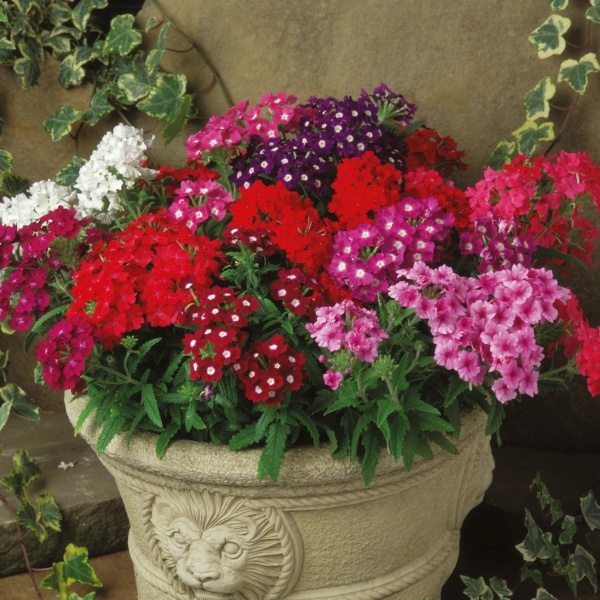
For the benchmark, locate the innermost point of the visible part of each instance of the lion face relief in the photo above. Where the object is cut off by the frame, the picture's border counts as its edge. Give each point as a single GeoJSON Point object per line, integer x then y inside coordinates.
{"type": "Point", "coordinates": [213, 547]}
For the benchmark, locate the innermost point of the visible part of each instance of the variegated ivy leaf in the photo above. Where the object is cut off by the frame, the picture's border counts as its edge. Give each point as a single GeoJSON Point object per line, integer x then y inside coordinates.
{"type": "Point", "coordinates": [165, 97]}
{"type": "Point", "coordinates": [151, 23]}
{"type": "Point", "coordinates": [3, 17]}
{"type": "Point", "coordinates": [6, 47]}
{"type": "Point", "coordinates": [536, 100]}
{"type": "Point", "coordinates": [585, 566]}
{"type": "Point", "coordinates": [155, 55]}
{"type": "Point", "coordinates": [543, 594]}
{"type": "Point", "coordinates": [590, 511]}
{"type": "Point", "coordinates": [502, 154]}
{"type": "Point", "coordinates": [559, 4]}
{"type": "Point", "coordinates": [531, 134]}
{"type": "Point", "coordinates": [23, 5]}
{"type": "Point", "coordinates": [59, 45]}
{"type": "Point", "coordinates": [12, 185]}
{"type": "Point", "coordinates": [5, 161]}
{"type": "Point", "coordinates": [28, 71]}
{"type": "Point", "coordinates": [74, 568]}
{"type": "Point", "coordinates": [575, 73]}
{"type": "Point", "coordinates": [548, 37]}
{"type": "Point", "coordinates": [122, 37]}
{"type": "Point", "coordinates": [132, 87]}
{"type": "Point", "coordinates": [31, 48]}
{"type": "Point", "coordinates": [68, 175]}
{"type": "Point", "coordinates": [59, 13]}
{"type": "Point", "coordinates": [175, 126]}
{"type": "Point", "coordinates": [593, 13]}
{"type": "Point", "coordinates": [99, 107]}
{"type": "Point", "coordinates": [83, 10]}
{"type": "Point", "coordinates": [21, 404]}
{"type": "Point", "coordinates": [59, 124]}
{"type": "Point", "coordinates": [70, 73]}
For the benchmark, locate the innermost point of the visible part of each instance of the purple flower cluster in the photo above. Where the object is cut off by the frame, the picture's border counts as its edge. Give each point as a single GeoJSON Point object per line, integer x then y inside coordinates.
{"type": "Point", "coordinates": [333, 130]}
{"type": "Point", "coordinates": [345, 326]}
{"type": "Point", "coordinates": [365, 259]}
{"type": "Point", "coordinates": [496, 242]}
{"type": "Point", "coordinates": [484, 324]}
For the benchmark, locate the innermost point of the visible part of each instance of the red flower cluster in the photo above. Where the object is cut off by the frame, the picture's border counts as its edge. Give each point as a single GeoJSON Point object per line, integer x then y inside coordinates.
{"type": "Point", "coordinates": [170, 179]}
{"type": "Point", "coordinates": [220, 315]}
{"type": "Point", "coordinates": [146, 274]}
{"type": "Point", "coordinates": [362, 186]}
{"type": "Point", "coordinates": [427, 148]}
{"type": "Point", "coordinates": [269, 369]}
{"type": "Point", "coordinates": [588, 357]}
{"type": "Point", "coordinates": [273, 218]}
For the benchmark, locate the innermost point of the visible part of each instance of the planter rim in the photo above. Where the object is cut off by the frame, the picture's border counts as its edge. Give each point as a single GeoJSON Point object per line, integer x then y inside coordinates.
{"type": "Point", "coordinates": [307, 466]}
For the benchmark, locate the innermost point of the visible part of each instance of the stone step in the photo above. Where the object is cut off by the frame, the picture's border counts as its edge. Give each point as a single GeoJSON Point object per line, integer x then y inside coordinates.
{"type": "Point", "coordinates": [93, 513]}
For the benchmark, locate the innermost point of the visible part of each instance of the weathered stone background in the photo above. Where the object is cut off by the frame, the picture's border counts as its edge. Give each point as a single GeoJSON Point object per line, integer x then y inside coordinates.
{"type": "Point", "coordinates": [466, 64]}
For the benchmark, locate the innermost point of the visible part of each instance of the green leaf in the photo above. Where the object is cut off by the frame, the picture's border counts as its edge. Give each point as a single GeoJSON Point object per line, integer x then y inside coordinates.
{"type": "Point", "coordinates": [164, 439]}
{"type": "Point", "coordinates": [530, 134]}
{"type": "Point", "coordinates": [59, 13]}
{"type": "Point", "coordinates": [548, 37]}
{"type": "Point", "coordinates": [476, 589]}
{"type": "Point", "coordinates": [68, 175]}
{"type": "Point", "coordinates": [442, 441]}
{"type": "Point", "coordinates": [593, 13]}
{"type": "Point", "coordinates": [536, 100]}
{"type": "Point", "coordinates": [27, 516]}
{"type": "Point", "coordinates": [584, 564]}
{"type": "Point", "coordinates": [150, 404]}
{"type": "Point", "coordinates": [4, 413]}
{"type": "Point", "coordinates": [83, 10]}
{"type": "Point", "coordinates": [31, 48]}
{"type": "Point", "coordinates": [371, 442]}
{"type": "Point", "coordinates": [243, 438]}
{"type": "Point", "coordinates": [543, 594]}
{"type": "Point", "coordinates": [28, 71]}
{"type": "Point", "coordinates": [502, 154]}
{"type": "Point", "coordinates": [385, 407]}
{"type": "Point", "coordinates": [77, 569]}
{"type": "Point", "coordinates": [99, 108]}
{"type": "Point", "coordinates": [70, 73]}
{"type": "Point", "coordinates": [20, 402]}
{"type": "Point", "coordinates": [59, 124]}
{"type": "Point", "coordinates": [576, 73]}
{"type": "Point", "coordinates": [176, 125]}
{"type": "Point", "coordinates": [75, 596]}
{"type": "Point", "coordinates": [59, 45]}
{"type": "Point", "coordinates": [590, 511]}
{"type": "Point", "coordinates": [534, 574]}
{"type": "Point", "coordinates": [122, 37]}
{"type": "Point", "coordinates": [49, 511]}
{"type": "Point", "coordinates": [456, 387]}
{"type": "Point", "coordinates": [165, 98]}
{"type": "Point", "coordinates": [6, 161]}
{"type": "Point", "coordinates": [270, 458]}
{"type": "Point", "coordinates": [155, 55]}
{"type": "Point", "coordinates": [132, 87]}
{"type": "Point", "coordinates": [12, 185]}
{"type": "Point", "coordinates": [534, 544]}
{"type": "Point", "coordinates": [3, 17]}
{"type": "Point", "coordinates": [23, 5]}
{"type": "Point", "coordinates": [499, 588]}
{"type": "Point", "coordinates": [399, 426]}
{"type": "Point", "coordinates": [112, 426]}
{"type": "Point", "coordinates": [559, 4]}
{"type": "Point", "coordinates": [569, 529]}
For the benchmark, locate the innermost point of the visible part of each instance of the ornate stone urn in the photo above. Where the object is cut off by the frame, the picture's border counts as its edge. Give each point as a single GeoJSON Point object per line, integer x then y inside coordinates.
{"type": "Point", "coordinates": [204, 528]}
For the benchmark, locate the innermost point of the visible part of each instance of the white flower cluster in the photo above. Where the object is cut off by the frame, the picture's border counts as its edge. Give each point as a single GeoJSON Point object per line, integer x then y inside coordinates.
{"type": "Point", "coordinates": [114, 165]}
{"type": "Point", "coordinates": [40, 199]}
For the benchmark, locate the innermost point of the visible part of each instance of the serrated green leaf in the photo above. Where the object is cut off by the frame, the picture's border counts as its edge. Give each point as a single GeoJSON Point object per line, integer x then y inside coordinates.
{"type": "Point", "coordinates": [243, 438]}
{"type": "Point", "coordinates": [530, 134]}
{"type": "Point", "coordinates": [70, 73]}
{"type": "Point", "coordinates": [559, 4]}
{"type": "Point", "coordinates": [534, 544]}
{"type": "Point", "coordinates": [590, 511]}
{"type": "Point", "coordinates": [269, 462]}
{"type": "Point", "coordinates": [399, 426]}
{"type": "Point", "coordinates": [164, 439]}
{"type": "Point", "coordinates": [155, 55]}
{"type": "Point", "coordinates": [6, 161]}
{"type": "Point", "coordinates": [83, 10]}
{"type": "Point", "coordinates": [372, 442]}
{"type": "Point", "coordinates": [593, 13]}
{"type": "Point", "coordinates": [122, 37]}
{"type": "Point", "coordinates": [576, 73]}
{"type": "Point", "coordinates": [68, 175]}
{"type": "Point", "coordinates": [49, 511]}
{"type": "Point", "coordinates": [112, 426]}
{"type": "Point", "coordinates": [99, 108]}
{"type": "Point", "coordinates": [585, 566]}
{"type": "Point", "coordinates": [426, 421]}
{"type": "Point", "coordinates": [165, 97]}
{"type": "Point", "coordinates": [59, 124]}
{"type": "Point", "coordinates": [28, 71]}
{"type": "Point", "coordinates": [502, 154]}
{"type": "Point", "coordinates": [151, 405]}
{"type": "Point", "coordinates": [548, 38]}
{"type": "Point", "coordinates": [20, 402]}
{"type": "Point", "coordinates": [536, 100]}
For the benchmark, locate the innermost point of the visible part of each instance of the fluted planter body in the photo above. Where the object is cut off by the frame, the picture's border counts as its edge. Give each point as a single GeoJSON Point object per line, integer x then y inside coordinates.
{"type": "Point", "coordinates": [204, 528]}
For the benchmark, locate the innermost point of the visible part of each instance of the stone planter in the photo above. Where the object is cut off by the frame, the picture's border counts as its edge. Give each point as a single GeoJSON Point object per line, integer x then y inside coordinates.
{"type": "Point", "coordinates": [203, 527]}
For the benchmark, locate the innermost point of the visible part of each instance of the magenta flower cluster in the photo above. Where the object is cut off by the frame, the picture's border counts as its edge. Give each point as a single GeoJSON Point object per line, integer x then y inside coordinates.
{"type": "Point", "coordinates": [485, 324]}
{"type": "Point", "coordinates": [345, 326]}
{"type": "Point", "coordinates": [365, 259]}
{"type": "Point", "coordinates": [196, 201]}
{"type": "Point", "coordinates": [496, 243]}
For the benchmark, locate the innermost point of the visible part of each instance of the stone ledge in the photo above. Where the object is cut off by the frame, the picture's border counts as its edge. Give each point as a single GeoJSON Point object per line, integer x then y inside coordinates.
{"type": "Point", "coordinates": [93, 513]}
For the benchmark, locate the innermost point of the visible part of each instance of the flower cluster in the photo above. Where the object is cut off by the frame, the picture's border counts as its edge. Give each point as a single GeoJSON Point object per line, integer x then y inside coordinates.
{"type": "Point", "coordinates": [489, 321]}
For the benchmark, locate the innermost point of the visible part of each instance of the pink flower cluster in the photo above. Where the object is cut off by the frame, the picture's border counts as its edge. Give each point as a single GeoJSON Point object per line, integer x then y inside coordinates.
{"type": "Point", "coordinates": [63, 353]}
{"type": "Point", "coordinates": [366, 258]}
{"type": "Point", "coordinates": [239, 124]}
{"type": "Point", "coordinates": [345, 326]}
{"type": "Point", "coordinates": [484, 324]}
{"type": "Point", "coordinates": [196, 201]}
